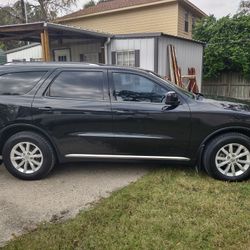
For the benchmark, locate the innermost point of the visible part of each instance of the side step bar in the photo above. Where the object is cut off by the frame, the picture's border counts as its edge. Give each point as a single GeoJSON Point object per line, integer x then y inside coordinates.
{"type": "Point", "coordinates": [132, 157]}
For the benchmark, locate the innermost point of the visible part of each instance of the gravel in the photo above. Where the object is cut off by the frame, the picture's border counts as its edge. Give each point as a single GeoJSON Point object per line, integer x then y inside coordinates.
{"type": "Point", "coordinates": [70, 188]}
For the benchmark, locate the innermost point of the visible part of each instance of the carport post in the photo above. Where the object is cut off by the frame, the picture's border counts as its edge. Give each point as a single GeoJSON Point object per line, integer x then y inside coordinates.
{"type": "Point", "coordinates": [45, 45]}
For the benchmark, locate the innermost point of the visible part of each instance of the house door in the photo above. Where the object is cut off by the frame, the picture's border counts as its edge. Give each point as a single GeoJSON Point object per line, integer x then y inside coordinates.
{"type": "Point", "coordinates": [62, 55]}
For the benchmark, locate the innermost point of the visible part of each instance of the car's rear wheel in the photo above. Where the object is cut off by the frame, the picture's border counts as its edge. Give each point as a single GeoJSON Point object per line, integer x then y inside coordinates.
{"type": "Point", "coordinates": [28, 156]}
{"type": "Point", "coordinates": [227, 157]}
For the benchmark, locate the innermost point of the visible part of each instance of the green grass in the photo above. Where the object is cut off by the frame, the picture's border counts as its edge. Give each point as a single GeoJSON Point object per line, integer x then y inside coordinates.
{"type": "Point", "coordinates": [172, 208]}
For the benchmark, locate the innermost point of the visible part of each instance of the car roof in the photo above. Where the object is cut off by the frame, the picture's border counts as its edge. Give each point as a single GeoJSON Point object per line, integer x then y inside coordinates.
{"type": "Point", "coordinates": [70, 65]}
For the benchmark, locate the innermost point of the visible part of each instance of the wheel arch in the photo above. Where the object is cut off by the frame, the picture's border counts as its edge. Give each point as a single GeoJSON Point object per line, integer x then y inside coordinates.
{"type": "Point", "coordinates": [10, 130]}
{"type": "Point", "coordinates": [210, 137]}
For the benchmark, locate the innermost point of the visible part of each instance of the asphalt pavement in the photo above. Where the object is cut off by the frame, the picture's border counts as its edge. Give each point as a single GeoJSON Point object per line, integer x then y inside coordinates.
{"type": "Point", "coordinates": [67, 190]}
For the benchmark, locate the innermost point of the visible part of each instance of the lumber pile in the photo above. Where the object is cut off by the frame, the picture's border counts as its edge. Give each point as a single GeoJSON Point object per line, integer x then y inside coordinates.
{"type": "Point", "coordinates": [175, 73]}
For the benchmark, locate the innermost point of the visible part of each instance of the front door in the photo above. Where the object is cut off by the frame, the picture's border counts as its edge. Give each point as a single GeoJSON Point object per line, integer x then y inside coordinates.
{"type": "Point", "coordinates": [74, 107]}
{"type": "Point", "coordinates": [62, 55]}
{"type": "Point", "coordinates": [143, 124]}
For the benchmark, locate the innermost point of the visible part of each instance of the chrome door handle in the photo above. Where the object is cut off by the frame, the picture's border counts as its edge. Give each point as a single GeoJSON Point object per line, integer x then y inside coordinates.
{"type": "Point", "coordinates": [48, 109]}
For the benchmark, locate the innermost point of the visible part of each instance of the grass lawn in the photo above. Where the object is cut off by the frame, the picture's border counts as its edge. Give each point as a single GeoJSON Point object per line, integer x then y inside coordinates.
{"type": "Point", "coordinates": [170, 208]}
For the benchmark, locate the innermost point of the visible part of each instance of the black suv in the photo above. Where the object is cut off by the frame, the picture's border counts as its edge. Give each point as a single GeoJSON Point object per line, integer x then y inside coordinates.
{"type": "Point", "coordinates": [56, 113]}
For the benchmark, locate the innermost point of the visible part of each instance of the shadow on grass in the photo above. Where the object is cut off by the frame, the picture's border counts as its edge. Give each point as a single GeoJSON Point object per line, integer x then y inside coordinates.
{"type": "Point", "coordinates": [86, 167]}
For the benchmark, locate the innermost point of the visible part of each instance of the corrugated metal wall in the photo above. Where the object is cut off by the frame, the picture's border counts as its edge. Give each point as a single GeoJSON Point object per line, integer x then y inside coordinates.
{"type": "Point", "coordinates": [145, 45]}
{"type": "Point", "coordinates": [28, 53]}
{"type": "Point", "coordinates": [189, 54]}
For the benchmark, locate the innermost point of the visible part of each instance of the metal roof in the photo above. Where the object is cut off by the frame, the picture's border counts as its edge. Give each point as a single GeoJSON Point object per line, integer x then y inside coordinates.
{"type": "Point", "coordinates": [154, 34]}
{"type": "Point", "coordinates": [22, 48]}
{"type": "Point", "coordinates": [31, 32]}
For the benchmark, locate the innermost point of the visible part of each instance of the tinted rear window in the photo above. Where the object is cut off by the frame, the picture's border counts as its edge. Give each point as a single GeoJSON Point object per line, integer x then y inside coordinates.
{"type": "Point", "coordinates": [19, 83]}
{"type": "Point", "coordinates": [78, 84]}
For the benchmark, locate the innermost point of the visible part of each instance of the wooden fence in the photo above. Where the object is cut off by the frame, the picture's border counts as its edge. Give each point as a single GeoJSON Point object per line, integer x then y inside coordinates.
{"type": "Point", "coordinates": [229, 85]}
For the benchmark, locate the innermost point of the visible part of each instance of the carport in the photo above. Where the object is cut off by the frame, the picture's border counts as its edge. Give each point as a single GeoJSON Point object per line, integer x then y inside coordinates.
{"type": "Point", "coordinates": [60, 42]}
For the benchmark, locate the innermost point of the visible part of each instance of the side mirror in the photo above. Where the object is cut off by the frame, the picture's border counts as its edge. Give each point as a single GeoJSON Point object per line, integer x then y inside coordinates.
{"type": "Point", "coordinates": [172, 99]}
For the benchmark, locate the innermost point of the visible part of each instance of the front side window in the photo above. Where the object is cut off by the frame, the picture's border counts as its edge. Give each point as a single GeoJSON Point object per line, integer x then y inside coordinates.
{"type": "Point", "coordinates": [78, 84]}
{"type": "Point", "coordinates": [136, 88]}
{"type": "Point", "coordinates": [19, 83]}
{"type": "Point", "coordinates": [126, 58]}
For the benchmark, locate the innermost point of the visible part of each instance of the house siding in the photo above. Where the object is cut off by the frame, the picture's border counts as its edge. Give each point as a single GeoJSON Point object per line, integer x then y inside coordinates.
{"type": "Point", "coordinates": [145, 45]}
{"type": "Point", "coordinates": [181, 22]}
{"type": "Point", "coordinates": [158, 18]}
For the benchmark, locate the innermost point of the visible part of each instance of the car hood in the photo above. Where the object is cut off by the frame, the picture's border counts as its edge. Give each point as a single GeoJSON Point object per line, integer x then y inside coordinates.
{"type": "Point", "coordinates": [227, 103]}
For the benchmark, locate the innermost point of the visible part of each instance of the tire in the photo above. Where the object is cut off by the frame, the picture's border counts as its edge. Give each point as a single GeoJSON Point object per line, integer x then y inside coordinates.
{"type": "Point", "coordinates": [34, 165]}
{"type": "Point", "coordinates": [227, 157]}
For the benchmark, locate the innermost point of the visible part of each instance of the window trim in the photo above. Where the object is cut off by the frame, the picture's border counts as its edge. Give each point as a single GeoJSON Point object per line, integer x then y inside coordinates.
{"type": "Point", "coordinates": [137, 53]}
{"type": "Point", "coordinates": [112, 87]}
{"type": "Point", "coordinates": [44, 94]}
{"type": "Point", "coordinates": [127, 52]}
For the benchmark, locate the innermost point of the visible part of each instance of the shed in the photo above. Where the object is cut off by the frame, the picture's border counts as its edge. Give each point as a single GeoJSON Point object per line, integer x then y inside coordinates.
{"type": "Point", "coordinates": [151, 48]}
{"type": "Point", "coordinates": [28, 53]}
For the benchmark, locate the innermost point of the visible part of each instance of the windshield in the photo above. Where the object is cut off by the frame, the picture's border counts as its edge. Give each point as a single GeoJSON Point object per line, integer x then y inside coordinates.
{"type": "Point", "coordinates": [183, 91]}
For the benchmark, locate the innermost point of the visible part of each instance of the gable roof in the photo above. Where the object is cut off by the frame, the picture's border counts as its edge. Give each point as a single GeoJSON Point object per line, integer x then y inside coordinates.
{"type": "Point", "coordinates": [119, 5]}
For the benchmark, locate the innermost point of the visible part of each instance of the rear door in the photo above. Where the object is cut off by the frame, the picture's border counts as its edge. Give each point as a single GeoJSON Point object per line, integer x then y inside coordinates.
{"type": "Point", "coordinates": [143, 124]}
{"type": "Point", "coordinates": [73, 106]}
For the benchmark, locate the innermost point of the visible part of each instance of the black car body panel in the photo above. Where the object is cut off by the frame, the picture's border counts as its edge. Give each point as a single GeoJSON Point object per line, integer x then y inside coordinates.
{"type": "Point", "coordinates": [111, 127]}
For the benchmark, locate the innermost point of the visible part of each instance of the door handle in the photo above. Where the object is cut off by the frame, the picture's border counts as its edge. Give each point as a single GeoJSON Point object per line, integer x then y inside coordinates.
{"type": "Point", "coordinates": [48, 109]}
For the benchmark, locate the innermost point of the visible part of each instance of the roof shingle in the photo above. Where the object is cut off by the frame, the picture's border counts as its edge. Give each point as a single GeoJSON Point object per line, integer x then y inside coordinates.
{"type": "Point", "coordinates": [106, 6]}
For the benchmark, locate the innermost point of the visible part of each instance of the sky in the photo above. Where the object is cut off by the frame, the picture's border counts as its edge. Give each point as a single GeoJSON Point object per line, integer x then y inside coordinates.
{"type": "Point", "coordinates": [217, 7]}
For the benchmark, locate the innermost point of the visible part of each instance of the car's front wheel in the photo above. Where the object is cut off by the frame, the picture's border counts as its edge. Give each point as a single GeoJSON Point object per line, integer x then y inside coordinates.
{"type": "Point", "coordinates": [227, 157]}
{"type": "Point", "coordinates": [28, 156]}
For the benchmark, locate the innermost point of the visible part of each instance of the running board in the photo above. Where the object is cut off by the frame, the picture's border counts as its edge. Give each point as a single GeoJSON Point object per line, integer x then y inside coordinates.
{"type": "Point", "coordinates": [132, 157]}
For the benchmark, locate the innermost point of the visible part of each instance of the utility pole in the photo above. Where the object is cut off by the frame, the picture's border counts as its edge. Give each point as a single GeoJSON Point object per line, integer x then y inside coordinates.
{"type": "Point", "coordinates": [24, 11]}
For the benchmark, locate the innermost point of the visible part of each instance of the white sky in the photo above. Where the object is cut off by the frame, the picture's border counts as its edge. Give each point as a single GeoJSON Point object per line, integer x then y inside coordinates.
{"type": "Point", "coordinates": [217, 7]}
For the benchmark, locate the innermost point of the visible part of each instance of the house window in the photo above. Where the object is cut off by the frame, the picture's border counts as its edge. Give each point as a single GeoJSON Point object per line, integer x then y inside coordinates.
{"type": "Point", "coordinates": [62, 58]}
{"type": "Point", "coordinates": [82, 58]}
{"type": "Point", "coordinates": [186, 22]}
{"type": "Point", "coordinates": [125, 58]}
{"type": "Point", "coordinates": [193, 22]}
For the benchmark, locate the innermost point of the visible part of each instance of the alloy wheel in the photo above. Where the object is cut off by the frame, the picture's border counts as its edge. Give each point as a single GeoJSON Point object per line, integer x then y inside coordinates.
{"type": "Point", "coordinates": [233, 160]}
{"type": "Point", "coordinates": [26, 157]}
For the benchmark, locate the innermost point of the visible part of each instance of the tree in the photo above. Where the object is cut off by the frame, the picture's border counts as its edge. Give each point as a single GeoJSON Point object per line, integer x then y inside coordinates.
{"type": "Point", "coordinates": [244, 8]}
{"type": "Point", "coordinates": [37, 10]}
{"type": "Point", "coordinates": [50, 9]}
{"type": "Point", "coordinates": [227, 44]}
{"type": "Point", "coordinates": [89, 4]}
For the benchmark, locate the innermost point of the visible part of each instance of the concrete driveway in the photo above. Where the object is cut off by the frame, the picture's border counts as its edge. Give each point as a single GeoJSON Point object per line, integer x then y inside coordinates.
{"type": "Point", "coordinates": [67, 190]}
